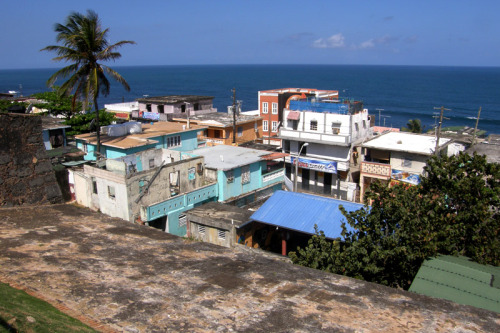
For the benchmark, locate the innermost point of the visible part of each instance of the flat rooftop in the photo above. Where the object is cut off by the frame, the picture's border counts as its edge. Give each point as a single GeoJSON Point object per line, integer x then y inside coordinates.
{"type": "Point", "coordinates": [407, 142]}
{"type": "Point", "coordinates": [223, 157]}
{"type": "Point", "coordinates": [219, 119]}
{"type": "Point", "coordinates": [173, 99]}
{"type": "Point", "coordinates": [149, 131]}
{"type": "Point", "coordinates": [123, 277]}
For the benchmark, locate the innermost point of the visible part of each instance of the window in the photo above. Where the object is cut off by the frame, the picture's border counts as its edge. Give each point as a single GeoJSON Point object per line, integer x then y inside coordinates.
{"type": "Point", "coordinates": [406, 163]}
{"type": "Point", "coordinates": [264, 107]}
{"type": "Point", "coordinates": [264, 126]}
{"type": "Point", "coordinates": [199, 168]}
{"type": "Point", "coordinates": [245, 174]}
{"type": "Point", "coordinates": [151, 163]}
{"type": "Point", "coordinates": [274, 126]}
{"type": "Point", "coordinates": [313, 125]}
{"type": "Point", "coordinates": [201, 229]}
{"type": "Point", "coordinates": [221, 234]}
{"type": "Point", "coordinates": [336, 128]}
{"type": "Point", "coordinates": [174, 141]}
{"type": "Point", "coordinates": [240, 131]}
{"type": "Point", "coordinates": [111, 192]}
{"type": "Point", "coordinates": [256, 127]}
{"type": "Point", "coordinates": [275, 108]}
{"type": "Point", "coordinates": [192, 173]}
{"type": "Point", "coordinates": [182, 220]}
{"type": "Point", "coordinates": [356, 125]}
{"type": "Point", "coordinates": [161, 109]}
{"type": "Point", "coordinates": [85, 147]}
{"type": "Point", "coordinates": [94, 186]}
{"type": "Point", "coordinates": [148, 107]}
{"type": "Point", "coordinates": [364, 123]}
{"type": "Point", "coordinates": [229, 176]}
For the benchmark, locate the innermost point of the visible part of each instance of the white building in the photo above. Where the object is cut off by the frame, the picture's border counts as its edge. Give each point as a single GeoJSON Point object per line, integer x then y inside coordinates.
{"type": "Point", "coordinates": [400, 157]}
{"type": "Point", "coordinates": [324, 131]}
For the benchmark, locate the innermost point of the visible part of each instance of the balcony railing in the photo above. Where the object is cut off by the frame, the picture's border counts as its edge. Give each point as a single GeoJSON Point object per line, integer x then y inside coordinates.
{"type": "Point", "coordinates": [273, 177]}
{"type": "Point", "coordinates": [178, 202]}
{"type": "Point", "coordinates": [311, 136]}
{"type": "Point", "coordinates": [377, 169]}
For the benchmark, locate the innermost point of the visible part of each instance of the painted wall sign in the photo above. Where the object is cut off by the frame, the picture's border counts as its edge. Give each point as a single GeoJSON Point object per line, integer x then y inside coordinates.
{"type": "Point", "coordinates": [150, 115]}
{"type": "Point", "coordinates": [323, 166]}
{"type": "Point", "coordinates": [405, 177]}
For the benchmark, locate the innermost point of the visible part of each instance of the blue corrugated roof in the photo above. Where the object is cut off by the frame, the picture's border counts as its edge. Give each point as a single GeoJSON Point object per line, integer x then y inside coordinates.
{"type": "Point", "coordinates": [300, 212]}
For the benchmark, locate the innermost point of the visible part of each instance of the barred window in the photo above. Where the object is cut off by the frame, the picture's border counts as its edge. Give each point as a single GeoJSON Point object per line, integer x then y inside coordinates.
{"type": "Point", "coordinates": [313, 126]}
{"type": "Point", "coordinates": [245, 174]}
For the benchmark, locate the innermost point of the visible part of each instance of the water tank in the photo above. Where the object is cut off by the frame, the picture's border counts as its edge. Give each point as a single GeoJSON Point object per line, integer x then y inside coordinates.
{"type": "Point", "coordinates": [117, 130]}
{"type": "Point", "coordinates": [134, 127]}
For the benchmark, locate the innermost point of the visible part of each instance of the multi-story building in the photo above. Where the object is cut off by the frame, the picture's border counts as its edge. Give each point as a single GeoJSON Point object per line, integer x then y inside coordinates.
{"type": "Point", "coordinates": [272, 104]}
{"type": "Point", "coordinates": [162, 108]}
{"type": "Point", "coordinates": [221, 128]}
{"type": "Point", "coordinates": [324, 132]}
{"type": "Point", "coordinates": [151, 187]}
{"type": "Point", "coordinates": [132, 137]}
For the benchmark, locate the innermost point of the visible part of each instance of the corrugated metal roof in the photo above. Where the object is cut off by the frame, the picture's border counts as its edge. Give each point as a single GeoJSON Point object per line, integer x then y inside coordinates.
{"type": "Point", "coordinates": [459, 280]}
{"type": "Point", "coordinates": [300, 212]}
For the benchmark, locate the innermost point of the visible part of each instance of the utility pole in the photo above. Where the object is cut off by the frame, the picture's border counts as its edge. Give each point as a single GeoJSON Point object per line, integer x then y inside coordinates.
{"type": "Point", "coordinates": [234, 115]}
{"type": "Point", "coordinates": [438, 133]}
{"type": "Point", "coordinates": [475, 127]}
{"type": "Point", "coordinates": [379, 110]}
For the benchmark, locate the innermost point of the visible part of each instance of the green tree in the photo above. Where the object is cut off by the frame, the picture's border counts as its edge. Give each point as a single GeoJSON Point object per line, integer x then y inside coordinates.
{"type": "Point", "coordinates": [85, 45]}
{"type": "Point", "coordinates": [57, 104]}
{"type": "Point", "coordinates": [453, 211]}
{"type": "Point", "coordinates": [83, 122]}
{"type": "Point", "coordinates": [413, 126]}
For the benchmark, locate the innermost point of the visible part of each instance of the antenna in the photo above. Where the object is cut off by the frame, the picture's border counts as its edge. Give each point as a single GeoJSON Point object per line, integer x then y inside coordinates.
{"type": "Point", "coordinates": [379, 116]}
{"type": "Point", "coordinates": [234, 115]}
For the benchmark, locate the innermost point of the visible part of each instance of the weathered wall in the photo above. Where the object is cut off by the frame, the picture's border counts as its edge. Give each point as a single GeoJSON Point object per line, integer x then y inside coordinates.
{"type": "Point", "coordinates": [26, 174]}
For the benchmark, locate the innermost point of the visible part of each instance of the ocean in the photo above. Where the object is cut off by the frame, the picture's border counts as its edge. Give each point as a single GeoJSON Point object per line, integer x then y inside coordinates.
{"type": "Point", "coordinates": [397, 93]}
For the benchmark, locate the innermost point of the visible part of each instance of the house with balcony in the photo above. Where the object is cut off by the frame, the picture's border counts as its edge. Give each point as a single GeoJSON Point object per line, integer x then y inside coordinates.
{"type": "Point", "coordinates": [163, 108]}
{"type": "Point", "coordinates": [272, 104]}
{"type": "Point", "coordinates": [325, 133]}
{"type": "Point", "coordinates": [244, 176]}
{"type": "Point", "coordinates": [396, 157]}
{"type": "Point", "coordinates": [224, 129]}
{"type": "Point", "coordinates": [133, 137]}
{"type": "Point", "coordinates": [153, 187]}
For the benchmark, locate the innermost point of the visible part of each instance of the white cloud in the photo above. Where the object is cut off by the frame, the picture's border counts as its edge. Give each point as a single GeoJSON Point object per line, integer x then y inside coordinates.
{"type": "Point", "coordinates": [332, 42]}
{"type": "Point", "coordinates": [371, 43]}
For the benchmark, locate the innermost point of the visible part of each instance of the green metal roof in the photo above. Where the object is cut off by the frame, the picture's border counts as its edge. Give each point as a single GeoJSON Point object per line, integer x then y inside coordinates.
{"type": "Point", "coordinates": [460, 280]}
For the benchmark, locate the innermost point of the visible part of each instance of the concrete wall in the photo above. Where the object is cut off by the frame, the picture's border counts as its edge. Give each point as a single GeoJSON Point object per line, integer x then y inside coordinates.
{"type": "Point", "coordinates": [26, 174]}
{"type": "Point", "coordinates": [418, 162]}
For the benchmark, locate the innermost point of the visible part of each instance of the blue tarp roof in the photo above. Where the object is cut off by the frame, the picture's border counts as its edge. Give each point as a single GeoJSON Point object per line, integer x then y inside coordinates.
{"type": "Point", "coordinates": [300, 212]}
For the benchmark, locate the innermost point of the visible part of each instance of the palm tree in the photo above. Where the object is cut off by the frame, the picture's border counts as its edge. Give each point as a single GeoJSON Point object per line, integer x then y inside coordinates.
{"type": "Point", "coordinates": [85, 46]}
{"type": "Point", "coordinates": [414, 126]}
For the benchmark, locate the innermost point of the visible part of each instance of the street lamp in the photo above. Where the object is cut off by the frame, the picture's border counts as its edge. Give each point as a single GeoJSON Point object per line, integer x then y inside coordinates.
{"type": "Point", "coordinates": [297, 167]}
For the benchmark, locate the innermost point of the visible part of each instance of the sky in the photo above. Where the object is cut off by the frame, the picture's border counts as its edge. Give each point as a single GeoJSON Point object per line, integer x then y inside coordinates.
{"type": "Point", "coordinates": [189, 32]}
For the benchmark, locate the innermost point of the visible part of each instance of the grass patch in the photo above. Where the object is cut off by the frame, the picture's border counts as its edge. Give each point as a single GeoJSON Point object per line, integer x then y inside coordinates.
{"type": "Point", "coordinates": [20, 312]}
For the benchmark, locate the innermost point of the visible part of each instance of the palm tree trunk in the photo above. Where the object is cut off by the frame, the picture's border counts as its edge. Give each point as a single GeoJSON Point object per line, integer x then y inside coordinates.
{"type": "Point", "coordinates": [97, 153]}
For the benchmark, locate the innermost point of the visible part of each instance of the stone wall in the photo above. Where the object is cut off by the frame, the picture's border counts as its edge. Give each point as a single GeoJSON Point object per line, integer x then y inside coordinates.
{"type": "Point", "coordinates": [26, 174]}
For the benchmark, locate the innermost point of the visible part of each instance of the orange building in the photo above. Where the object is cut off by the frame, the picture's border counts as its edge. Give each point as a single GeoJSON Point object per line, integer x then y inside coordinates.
{"type": "Point", "coordinates": [273, 102]}
{"type": "Point", "coordinates": [220, 128]}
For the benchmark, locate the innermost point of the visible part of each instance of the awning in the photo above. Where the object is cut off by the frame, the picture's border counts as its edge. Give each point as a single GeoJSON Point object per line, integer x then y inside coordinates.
{"type": "Point", "coordinates": [274, 156]}
{"type": "Point", "coordinates": [293, 115]}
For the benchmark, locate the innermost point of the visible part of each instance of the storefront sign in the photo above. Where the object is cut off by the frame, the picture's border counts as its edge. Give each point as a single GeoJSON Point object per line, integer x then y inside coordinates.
{"type": "Point", "coordinates": [323, 166]}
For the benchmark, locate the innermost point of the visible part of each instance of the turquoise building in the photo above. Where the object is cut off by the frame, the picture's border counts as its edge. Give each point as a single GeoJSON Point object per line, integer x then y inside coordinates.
{"type": "Point", "coordinates": [131, 138]}
{"type": "Point", "coordinates": [243, 175]}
